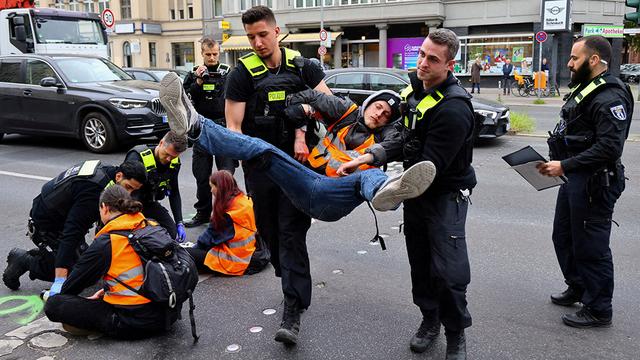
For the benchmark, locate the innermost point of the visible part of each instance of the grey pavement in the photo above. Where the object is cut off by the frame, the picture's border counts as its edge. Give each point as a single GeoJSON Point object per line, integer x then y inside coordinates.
{"type": "Point", "coordinates": [363, 311]}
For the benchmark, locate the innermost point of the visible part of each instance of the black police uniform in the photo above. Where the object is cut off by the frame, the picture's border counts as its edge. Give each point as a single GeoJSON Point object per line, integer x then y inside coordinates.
{"type": "Point", "coordinates": [588, 141]}
{"type": "Point", "coordinates": [62, 214]}
{"type": "Point", "coordinates": [208, 100]}
{"type": "Point", "coordinates": [441, 123]}
{"type": "Point", "coordinates": [279, 222]}
{"type": "Point", "coordinates": [162, 180]}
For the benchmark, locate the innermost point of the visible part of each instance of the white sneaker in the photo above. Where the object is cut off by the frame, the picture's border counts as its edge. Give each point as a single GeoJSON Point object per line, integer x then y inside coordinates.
{"type": "Point", "coordinates": [408, 185]}
{"type": "Point", "coordinates": [180, 112]}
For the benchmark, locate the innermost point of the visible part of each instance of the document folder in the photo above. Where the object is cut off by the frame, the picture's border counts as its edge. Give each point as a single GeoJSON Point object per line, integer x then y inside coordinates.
{"type": "Point", "coordinates": [524, 162]}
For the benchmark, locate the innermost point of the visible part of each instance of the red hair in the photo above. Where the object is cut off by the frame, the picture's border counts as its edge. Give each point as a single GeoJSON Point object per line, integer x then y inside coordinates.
{"type": "Point", "coordinates": [226, 190]}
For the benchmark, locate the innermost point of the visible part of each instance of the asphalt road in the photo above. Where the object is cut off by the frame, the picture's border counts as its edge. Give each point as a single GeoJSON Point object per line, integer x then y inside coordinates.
{"type": "Point", "coordinates": [364, 311]}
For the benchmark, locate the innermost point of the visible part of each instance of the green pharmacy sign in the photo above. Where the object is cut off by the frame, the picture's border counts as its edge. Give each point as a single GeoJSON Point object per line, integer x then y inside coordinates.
{"type": "Point", "coordinates": [608, 31]}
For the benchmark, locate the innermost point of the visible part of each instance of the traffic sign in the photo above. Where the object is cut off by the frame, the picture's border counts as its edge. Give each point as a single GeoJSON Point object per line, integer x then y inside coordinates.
{"type": "Point", "coordinates": [541, 36]}
{"type": "Point", "coordinates": [107, 18]}
{"type": "Point", "coordinates": [322, 50]}
{"type": "Point", "coordinates": [323, 35]}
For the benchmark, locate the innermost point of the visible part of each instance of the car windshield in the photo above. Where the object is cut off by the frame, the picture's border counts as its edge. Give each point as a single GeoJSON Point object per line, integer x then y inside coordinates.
{"type": "Point", "coordinates": [59, 30]}
{"type": "Point", "coordinates": [85, 70]}
{"type": "Point", "coordinates": [159, 73]}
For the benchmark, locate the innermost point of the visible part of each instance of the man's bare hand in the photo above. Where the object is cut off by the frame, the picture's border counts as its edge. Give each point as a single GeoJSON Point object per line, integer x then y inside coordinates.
{"type": "Point", "coordinates": [551, 168]}
{"type": "Point", "coordinates": [97, 296]}
{"type": "Point", "coordinates": [301, 151]}
{"type": "Point", "coordinates": [348, 167]}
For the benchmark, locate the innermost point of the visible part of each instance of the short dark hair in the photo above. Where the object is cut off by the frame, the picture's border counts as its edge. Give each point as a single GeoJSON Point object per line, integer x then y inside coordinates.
{"type": "Point", "coordinates": [258, 13]}
{"type": "Point", "coordinates": [446, 37]}
{"type": "Point", "coordinates": [597, 45]}
{"type": "Point", "coordinates": [133, 170]}
{"type": "Point", "coordinates": [179, 142]}
{"type": "Point", "coordinates": [208, 42]}
{"type": "Point", "coordinates": [118, 199]}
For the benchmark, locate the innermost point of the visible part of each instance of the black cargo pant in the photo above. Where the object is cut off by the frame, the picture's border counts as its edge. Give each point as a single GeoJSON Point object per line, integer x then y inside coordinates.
{"type": "Point", "coordinates": [284, 228]}
{"type": "Point", "coordinates": [43, 264]}
{"type": "Point", "coordinates": [131, 322]}
{"type": "Point", "coordinates": [202, 167]}
{"type": "Point", "coordinates": [581, 231]}
{"type": "Point", "coordinates": [435, 236]}
{"type": "Point", "coordinates": [154, 210]}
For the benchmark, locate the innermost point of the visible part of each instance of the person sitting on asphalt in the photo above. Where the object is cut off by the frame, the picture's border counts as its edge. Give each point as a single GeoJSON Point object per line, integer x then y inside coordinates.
{"type": "Point", "coordinates": [228, 244]}
{"type": "Point", "coordinates": [61, 215]}
{"type": "Point", "coordinates": [357, 138]}
{"type": "Point", "coordinates": [321, 197]}
{"type": "Point", "coordinates": [113, 310]}
{"type": "Point", "coordinates": [162, 163]}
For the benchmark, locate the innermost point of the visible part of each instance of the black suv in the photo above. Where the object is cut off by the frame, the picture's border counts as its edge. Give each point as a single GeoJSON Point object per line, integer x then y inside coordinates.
{"type": "Point", "coordinates": [83, 97]}
{"type": "Point", "coordinates": [492, 118]}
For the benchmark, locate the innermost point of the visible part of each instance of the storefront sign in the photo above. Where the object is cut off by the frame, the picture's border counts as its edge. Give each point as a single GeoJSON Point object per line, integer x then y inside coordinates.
{"type": "Point", "coordinates": [402, 53]}
{"type": "Point", "coordinates": [555, 15]}
{"type": "Point", "coordinates": [125, 28]}
{"type": "Point", "coordinates": [225, 25]}
{"type": "Point", "coordinates": [151, 28]}
{"type": "Point", "coordinates": [608, 31]}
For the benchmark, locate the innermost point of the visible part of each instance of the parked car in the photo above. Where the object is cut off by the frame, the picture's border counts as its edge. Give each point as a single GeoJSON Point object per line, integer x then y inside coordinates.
{"type": "Point", "coordinates": [630, 73]}
{"type": "Point", "coordinates": [154, 75]}
{"type": "Point", "coordinates": [85, 97]}
{"type": "Point", "coordinates": [492, 118]}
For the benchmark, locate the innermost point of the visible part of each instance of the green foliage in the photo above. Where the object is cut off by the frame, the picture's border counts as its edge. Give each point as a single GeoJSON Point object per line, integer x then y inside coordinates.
{"type": "Point", "coordinates": [538, 101]}
{"type": "Point", "coordinates": [633, 40]}
{"type": "Point", "coordinates": [521, 122]}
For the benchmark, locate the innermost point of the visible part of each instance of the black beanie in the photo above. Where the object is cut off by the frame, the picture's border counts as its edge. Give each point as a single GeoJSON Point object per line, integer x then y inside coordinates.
{"type": "Point", "coordinates": [392, 99]}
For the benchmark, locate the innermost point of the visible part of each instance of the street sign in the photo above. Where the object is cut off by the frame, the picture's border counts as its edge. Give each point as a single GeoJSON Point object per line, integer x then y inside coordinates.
{"type": "Point", "coordinates": [541, 36]}
{"type": "Point", "coordinates": [323, 35]}
{"type": "Point", "coordinates": [107, 18]}
{"type": "Point", "coordinates": [225, 25]}
{"type": "Point", "coordinates": [322, 50]}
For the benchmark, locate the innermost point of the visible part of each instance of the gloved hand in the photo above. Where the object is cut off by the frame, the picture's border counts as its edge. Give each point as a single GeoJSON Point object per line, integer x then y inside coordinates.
{"type": "Point", "coordinates": [56, 287]}
{"type": "Point", "coordinates": [182, 233]}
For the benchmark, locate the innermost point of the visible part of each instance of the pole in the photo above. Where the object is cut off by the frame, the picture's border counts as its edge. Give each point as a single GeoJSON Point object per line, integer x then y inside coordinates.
{"type": "Point", "coordinates": [321, 27]}
{"type": "Point", "coordinates": [539, 70]}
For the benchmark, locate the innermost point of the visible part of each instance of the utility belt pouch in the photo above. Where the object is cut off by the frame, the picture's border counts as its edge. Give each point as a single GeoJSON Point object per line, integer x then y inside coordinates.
{"type": "Point", "coordinates": [557, 147]}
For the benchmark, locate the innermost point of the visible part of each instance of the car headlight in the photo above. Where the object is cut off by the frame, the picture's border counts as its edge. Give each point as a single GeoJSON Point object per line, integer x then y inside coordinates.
{"type": "Point", "coordinates": [487, 113]}
{"type": "Point", "coordinates": [127, 104]}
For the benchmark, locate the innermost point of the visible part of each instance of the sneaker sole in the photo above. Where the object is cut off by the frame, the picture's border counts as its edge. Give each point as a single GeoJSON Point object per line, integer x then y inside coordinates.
{"type": "Point", "coordinates": [411, 184]}
{"type": "Point", "coordinates": [286, 337]}
{"type": "Point", "coordinates": [171, 100]}
{"type": "Point", "coordinates": [564, 303]}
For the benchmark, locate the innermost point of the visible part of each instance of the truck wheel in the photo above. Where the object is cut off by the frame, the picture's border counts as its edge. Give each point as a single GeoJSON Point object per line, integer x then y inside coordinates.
{"type": "Point", "coordinates": [97, 133]}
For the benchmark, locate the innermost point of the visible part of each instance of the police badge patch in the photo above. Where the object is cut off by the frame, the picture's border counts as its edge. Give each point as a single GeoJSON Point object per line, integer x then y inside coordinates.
{"type": "Point", "coordinates": [618, 112]}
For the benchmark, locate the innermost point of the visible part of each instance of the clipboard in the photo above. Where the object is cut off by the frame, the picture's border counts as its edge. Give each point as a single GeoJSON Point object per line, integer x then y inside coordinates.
{"type": "Point", "coordinates": [524, 162]}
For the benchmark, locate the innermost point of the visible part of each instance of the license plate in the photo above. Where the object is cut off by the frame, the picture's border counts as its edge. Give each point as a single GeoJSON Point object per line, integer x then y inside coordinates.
{"type": "Point", "coordinates": [164, 119]}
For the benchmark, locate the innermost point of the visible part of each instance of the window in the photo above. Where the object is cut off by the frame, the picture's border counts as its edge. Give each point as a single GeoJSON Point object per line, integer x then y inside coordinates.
{"type": "Point", "coordinates": [88, 6]}
{"type": "Point", "coordinates": [139, 75]}
{"type": "Point", "coordinates": [190, 9]}
{"type": "Point", "coordinates": [172, 10]}
{"type": "Point", "coordinates": [152, 55]}
{"type": "Point", "coordinates": [86, 70]}
{"type": "Point", "coordinates": [331, 82]}
{"type": "Point", "coordinates": [103, 4]}
{"type": "Point", "coordinates": [38, 70]}
{"type": "Point", "coordinates": [350, 81]}
{"type": "Point", "coordinates": [59, 4]}
{"type": "Point", "coordinates": [125, 9]}
{"type": "Point", "coordinates": [217, 8]}
{"type": "Point", "coordinates": [386, 82]}
{"type": "Point", "coordinates": [183, 57]}
{"type": "Point", "coordinates": [10, 71]}
{"type": "Point", "coordinates": [74, 5]}
{"type": "Point", "coordinates": [126, 55]}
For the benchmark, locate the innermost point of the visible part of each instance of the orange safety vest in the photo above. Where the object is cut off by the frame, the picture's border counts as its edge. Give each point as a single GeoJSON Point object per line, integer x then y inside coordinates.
{"type": "Point", "coordinates": [126, 265]}
{"type": "Point", "coordinates": [332, 152]}
{"type": "Point", "coordinates": [232, 257]}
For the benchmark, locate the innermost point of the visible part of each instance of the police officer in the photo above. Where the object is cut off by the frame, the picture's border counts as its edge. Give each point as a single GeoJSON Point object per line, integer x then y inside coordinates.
{"type": "Point", "coordinates": [440, 119]}
{"type": "Point", "coordinates": [162, 164]}
{"type": "Point", "coordinates": [205, 86]}
{"type": "Point", "coordinates": [586, 147]}
{"type": "Point", "coordinates": [61, 216]}
{"type": "Point", "coordinates": [255, 101]}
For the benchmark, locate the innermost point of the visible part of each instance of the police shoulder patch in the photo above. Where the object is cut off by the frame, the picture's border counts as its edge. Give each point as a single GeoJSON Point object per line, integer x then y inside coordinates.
{"type": "Point", "coordinates": [619, 112]}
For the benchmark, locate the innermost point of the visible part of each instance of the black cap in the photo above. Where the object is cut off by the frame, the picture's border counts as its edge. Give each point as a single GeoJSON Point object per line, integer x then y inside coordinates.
{"type": "Point", "coordinates": [390, 98]}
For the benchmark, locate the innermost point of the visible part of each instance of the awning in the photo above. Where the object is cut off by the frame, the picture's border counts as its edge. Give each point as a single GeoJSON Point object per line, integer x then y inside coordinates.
{"type": "Point", "coordinates": [241, 42]}
{"type": "Point", "coordinates": [309, 37]}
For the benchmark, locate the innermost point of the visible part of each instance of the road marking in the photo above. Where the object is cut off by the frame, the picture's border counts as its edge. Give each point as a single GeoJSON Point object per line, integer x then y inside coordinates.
{"type": "Point", "coordinates": [26, 176]}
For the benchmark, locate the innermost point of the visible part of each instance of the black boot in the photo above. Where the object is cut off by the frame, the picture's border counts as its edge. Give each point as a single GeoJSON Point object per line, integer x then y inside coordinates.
{"type": "Point", "coordinates": [198, 219]}
{"type": "Point", "coordinates": [456, 345]}
{"type": "Point", "coordinates": [18, 263]}
{"type": "Point", "coordinates": [426, 335]}
{"type": "Point", "coordinates": [290, 326]}
{"type": "Point", "coordinates": [585, 318]}
{"type": "Point", "coordinates": [567, 297]}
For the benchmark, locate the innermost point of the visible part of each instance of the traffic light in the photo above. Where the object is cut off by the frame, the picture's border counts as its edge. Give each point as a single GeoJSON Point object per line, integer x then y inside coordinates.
{"type": "Point", "coordinates": [634, 16]}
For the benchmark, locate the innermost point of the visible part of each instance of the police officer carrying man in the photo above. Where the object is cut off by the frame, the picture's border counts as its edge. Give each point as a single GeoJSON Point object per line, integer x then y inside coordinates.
{"type": "Point", "coordinates": [586, 147]}
{"type": "Point", "coordinates": [205, 86]}
{"type": "Point", "coordinates": [60, 217]}
{"type": "Point", "coordinates": [162, 164]}
{"type": "Point", "coordinates": [256, 95]}
{"type": "Point", "coordinates": [439, 115]}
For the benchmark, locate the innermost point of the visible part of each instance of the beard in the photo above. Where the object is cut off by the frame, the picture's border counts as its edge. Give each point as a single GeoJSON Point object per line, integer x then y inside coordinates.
{"type": "Point", "coordinates": [581, 74]}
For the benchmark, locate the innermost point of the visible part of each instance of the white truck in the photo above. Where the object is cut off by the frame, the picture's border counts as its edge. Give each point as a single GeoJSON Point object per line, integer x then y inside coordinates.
{"type": "Point", "coordinates": [46, 31]}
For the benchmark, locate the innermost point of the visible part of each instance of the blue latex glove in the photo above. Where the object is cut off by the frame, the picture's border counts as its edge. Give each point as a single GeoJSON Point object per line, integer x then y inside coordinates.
{"type": "Point", "coordinates": [182, 233]}
{"type": "Point", "coordinates": [57, 286]}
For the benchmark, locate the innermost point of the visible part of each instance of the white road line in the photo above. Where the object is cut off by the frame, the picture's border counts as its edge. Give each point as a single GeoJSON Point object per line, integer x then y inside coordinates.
{"type": "Point", "coordinates": [26, 176]}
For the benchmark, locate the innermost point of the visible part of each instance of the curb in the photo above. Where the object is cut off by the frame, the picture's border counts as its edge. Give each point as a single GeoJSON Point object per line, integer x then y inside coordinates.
{"type": "Point", "coordinates": [631, 138]}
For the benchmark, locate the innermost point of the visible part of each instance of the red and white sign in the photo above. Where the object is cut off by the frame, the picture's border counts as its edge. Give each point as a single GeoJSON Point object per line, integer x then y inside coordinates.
{"type": "Point", "coordinates": [323, 35]}
{"type": "Point", "coordinates": [541, 36]}
{"type": "Point", "coordinates": [322, 50]}
{"type": "Point", "coordinates": [107, 18]}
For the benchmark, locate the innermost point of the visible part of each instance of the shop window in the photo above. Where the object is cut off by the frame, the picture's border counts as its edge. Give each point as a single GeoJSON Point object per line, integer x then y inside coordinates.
{"type": "Point", "coordinates": [493, 53]}
{"type": "Point", "coordinates": [183, 57]}
{"type": "Point", "coordinates": [386, 82]}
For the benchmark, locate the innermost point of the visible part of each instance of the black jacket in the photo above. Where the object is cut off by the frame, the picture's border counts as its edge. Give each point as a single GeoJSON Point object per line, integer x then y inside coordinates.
{"type": "Point", "coordinates": [208, 103]}
{"type": "Point", "coordinates": [446, 136]}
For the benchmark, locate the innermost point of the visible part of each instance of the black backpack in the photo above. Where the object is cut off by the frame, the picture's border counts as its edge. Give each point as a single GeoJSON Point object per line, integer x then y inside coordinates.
{"type": "Point", "coordinates": [170, 273]}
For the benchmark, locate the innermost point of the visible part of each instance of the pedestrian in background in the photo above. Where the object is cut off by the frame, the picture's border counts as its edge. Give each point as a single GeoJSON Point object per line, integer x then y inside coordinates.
{"type": "Point", "coordinates": [475, 75]}
{"type": "Point", "coordinates": [507, 69]}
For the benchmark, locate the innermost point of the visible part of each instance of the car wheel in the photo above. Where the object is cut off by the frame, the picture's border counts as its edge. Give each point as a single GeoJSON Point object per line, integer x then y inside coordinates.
{"type": "Point", "coordinates": [97, 133]}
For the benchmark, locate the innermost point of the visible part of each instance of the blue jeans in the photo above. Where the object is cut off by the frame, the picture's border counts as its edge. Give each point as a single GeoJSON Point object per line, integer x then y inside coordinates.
{"type": "Point", "coordinates": [319, 196]}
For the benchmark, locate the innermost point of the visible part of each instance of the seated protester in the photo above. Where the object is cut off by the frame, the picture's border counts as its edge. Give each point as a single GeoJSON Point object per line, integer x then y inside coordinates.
{"type": "Point", "coordinates": [358, 138]}
{"type": "Point", "coordinates": [114, 310]}
{"type": "Point", "coordinates": [321, 197]}
{"type": "Point", "coordinates": [229, 242]}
